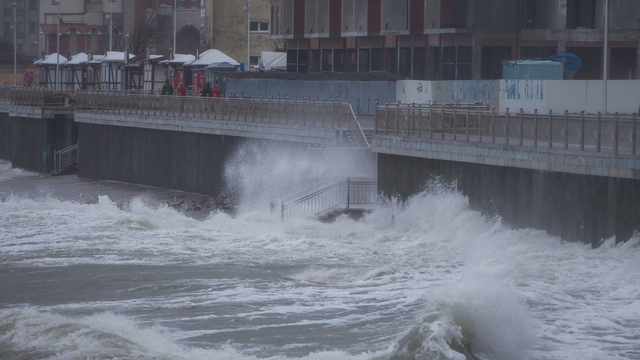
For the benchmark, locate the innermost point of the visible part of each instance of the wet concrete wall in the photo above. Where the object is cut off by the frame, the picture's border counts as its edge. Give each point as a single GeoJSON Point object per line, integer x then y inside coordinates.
{"type": "Point", "coordinates": [33, 141]}
{"type": "Point", "coordinates": [575, 207]}
{"type": "Point", "coordinates": [5, 136]}
{"type": "Point", "coordinates": [170, 159]}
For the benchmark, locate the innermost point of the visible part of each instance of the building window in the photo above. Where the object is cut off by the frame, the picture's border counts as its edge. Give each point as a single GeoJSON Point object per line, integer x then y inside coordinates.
{"type": "Point", "coordinates": [20, 7]}
{"type": "Point", "coordinates": [33, 27]}
{"type": "Point", "coordinates": [7, 7]}
{"type": "Point", "coordinates": [149, 4]}
{"type": "Point", "coordinates": [7, 28]}
{"type": "Point", "coordinates": [33, 4]}
{"type": "Point", "coordinates": [259, 26]}
{"type": "Point", "coordinates": [164, 2]}
{"type": "Point", "coordinates": [20, 29]}
{"type": "Point", "coordinates": [33, 48]}
{"type": "Point", "coordinates": [254, 60]}
{"type": "Point", "coordinates": [20, 48]}
{"type": "Point", "coordinates": [181, 4]}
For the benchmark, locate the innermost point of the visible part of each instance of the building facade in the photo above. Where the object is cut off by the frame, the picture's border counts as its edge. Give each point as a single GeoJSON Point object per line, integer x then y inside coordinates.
{"type": "Point", "coordinates": [226, 28]}
{"type": "Point", "coordinates": [25, 17]}
{"type": "Point", "coordinates": [189, 23]}
{"type": "Point", "coordinates": [455, 39]}
{"type": "Point", "coordinates": [84, 26]}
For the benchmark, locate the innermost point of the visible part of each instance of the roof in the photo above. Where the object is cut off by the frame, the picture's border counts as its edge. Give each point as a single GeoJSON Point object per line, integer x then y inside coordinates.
{"type": "Point", "coordinates": [179, 59]}
{"type": "Point", "coordinates": [115, 56]}
{"type": "Point", "coordinates": [77, 59]}
{"type": "Point", "coordinates": [212, 57]}
{"type": "Point", "coordinates": [51, 59]}
{"type": "Point", "coordinates": [319, 76]}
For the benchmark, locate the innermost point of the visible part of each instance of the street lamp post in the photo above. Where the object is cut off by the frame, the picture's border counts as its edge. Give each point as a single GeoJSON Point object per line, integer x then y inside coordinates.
{"type": "Point", "coordinates": [15, 43]}
{"type": "Point", "coordinates": [605, 75]}
{"type": "Point", "coordinates": [110, 25]}
{"type": "Point", "coordinates": [58, 48]}
{"type": "Point", "coordinates": [41, 44]}
{"type": "Point", "coordinates": [175, 35]}
{"type": "Point", "coordinates": [248, 35]}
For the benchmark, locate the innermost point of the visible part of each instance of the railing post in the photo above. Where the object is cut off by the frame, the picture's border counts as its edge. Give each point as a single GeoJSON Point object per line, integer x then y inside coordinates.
{"type": "Point", "coordinates": [269, 100]}
{"type": "Point", "coordinates": [633, 134]}
{"type": "Point", "coordinates": [375, 118]}
{"type": "Point", "coordinates": [282, 210]}
{"type": "Point", "coordinates": [442, 123]}
{"type": "Point", "coordinates": [566, 129]}
{"type": "Point", "coordinates": [480, 125]}
{"type": "Point", "coordinates": [581, 130]}
{"type": "Point", "coordinates": [455, 122]}
{"type": "Point", "coordinates": [466, 121]}
{"type": "Point", "coordinates": [520, 127]}
{"type": "Point", "coordinates": [386, 118]}
{"type": "Point", "coordinates": [615, 133]}
{"type": "Point", "coordinates": [397, 115]}
{"type": "Point", "coordinates": [598, 134]}
{"type": "Point", "coordinates": [244, 108]}
{"type": "Point", "coordinates": [332, 113]}
{"type": "Point", "coordinates": [550, 128]}
{"type": "Point", "coordinates": [348, 191]}
{"type": "Point", "coordinates": [419, 120]}
{"type": "Point", "coordinates": [535, 128]}
{"type": "Point", "coordinates": [493, 125]}
{"type": "Point", "coordinates": [261, 109]}
{"type": "Point", "coordinates": [506, 126]}
{"type": "Point", "coordinates": [278, 110]}
{"type": "Point", "coordinates": [323, 115]}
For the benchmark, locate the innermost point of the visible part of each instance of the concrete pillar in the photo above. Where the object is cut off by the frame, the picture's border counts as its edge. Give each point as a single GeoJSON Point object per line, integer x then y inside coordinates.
{"type": "Point", "coordinates": [562, 47]}
{"type": "Point", "coordinates": [476, 66]}
{"type": "Point", "coordinates": [638, 64]}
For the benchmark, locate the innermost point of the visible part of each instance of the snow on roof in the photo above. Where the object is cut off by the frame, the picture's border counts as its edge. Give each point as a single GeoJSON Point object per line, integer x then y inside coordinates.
{"type": "Point", "coordinates": [212, 57]}
{"type": "Point", "coordinates": [51, 59]}
{"type": "Point", "coordinates": [77, 59]}
{"type": "Point", "coordinates": [96, 59]}
{"type": "Point", "coordinates": [115, 56]}
{"type": "Point", "coordinates": [179, 59]}
{"type": "Point", "coordinates": [273, 60]}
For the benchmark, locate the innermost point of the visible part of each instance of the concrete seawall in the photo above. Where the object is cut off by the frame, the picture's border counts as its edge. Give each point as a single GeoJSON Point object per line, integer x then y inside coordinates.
{"type": "Point", "coordinates": [575, 207]}
{"type": "Point", "coordinates": [170, 159]}
{"type": "Point", "coordinates": [5, 136]}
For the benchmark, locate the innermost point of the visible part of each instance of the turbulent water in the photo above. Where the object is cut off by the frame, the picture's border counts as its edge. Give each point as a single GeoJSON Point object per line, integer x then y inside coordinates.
{"type": "Point", "coordinates": [431, 279]}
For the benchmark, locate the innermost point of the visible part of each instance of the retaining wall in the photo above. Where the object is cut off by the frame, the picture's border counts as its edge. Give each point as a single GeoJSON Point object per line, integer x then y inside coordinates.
{"type": "Point", "coordinates": [575, 207]}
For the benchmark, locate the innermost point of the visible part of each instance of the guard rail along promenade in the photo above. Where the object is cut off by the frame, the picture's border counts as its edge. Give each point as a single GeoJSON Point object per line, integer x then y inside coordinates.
{"type": "Point", "coordinates": [614, 133]}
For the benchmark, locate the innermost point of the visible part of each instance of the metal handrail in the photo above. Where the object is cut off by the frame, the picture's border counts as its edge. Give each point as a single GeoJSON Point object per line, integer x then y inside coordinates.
{"type": "Point", "coordinates": [328, 196]}
{"type": "Point", "coordinates": [614, 133]}
{"type": "Point", "coordinates": [64, 158]}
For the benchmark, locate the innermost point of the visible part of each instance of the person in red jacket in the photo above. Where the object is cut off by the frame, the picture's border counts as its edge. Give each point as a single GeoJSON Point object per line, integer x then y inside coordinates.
{"type": "Point", "coordinates": [182, 91]}
{"type": "Point", "coordinates": [215, 92]}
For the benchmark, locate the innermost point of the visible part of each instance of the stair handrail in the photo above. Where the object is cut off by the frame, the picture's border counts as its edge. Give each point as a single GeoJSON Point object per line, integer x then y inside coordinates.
{"type": "Point", "coordinates": [327, 203]}
{"type": "Point", "coordinates": [358, 128]}
{"type": "Point", "coordinates": [65, 157]}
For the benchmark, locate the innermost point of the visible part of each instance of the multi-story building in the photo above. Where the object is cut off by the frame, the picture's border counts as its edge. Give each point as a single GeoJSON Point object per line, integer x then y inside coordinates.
{"type": "Point", "coordinates": [455, 39]}
{"type": "Point", "coordinates": [189, 23]}
{"type": "Point", "coordinates": [25, 16]}
{"type": "Point", "coordinates": [84, 25]}
{"type": "Point", "coordinates": [227, 30]}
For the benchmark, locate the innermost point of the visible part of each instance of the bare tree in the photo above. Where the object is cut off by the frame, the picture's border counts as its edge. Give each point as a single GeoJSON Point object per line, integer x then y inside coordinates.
{"type": "Point", "coordinates": [278, 45]}
{"type": "Point", "coordinates": [146, 34]}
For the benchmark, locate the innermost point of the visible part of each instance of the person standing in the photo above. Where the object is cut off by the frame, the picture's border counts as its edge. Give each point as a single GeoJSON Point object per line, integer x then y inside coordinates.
{"type": "Point", "coordinates": [167, 89]}
{"type": "Point", "coordinates": [182, 91]}
{"type": "Point", "coordinates": [215, 92]}
{"type": "Point", "coordinates": [206, 91]}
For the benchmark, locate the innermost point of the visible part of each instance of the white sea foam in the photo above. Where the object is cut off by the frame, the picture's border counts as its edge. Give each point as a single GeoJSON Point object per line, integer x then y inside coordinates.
{"type": "Point", "coordinates": [510, 293]}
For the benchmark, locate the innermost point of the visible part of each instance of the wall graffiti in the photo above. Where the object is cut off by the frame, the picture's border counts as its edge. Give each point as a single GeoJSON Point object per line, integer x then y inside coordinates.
{"type": "Point", "coordinates": [524, 89]}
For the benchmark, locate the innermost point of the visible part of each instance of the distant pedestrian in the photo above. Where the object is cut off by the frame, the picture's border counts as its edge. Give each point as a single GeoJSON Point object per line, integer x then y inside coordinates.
{"type": "Point", "coordinates": [182, 91]}
{"type": "Point", "coordinates": [167, 89]}
{"type": "Point", "coordinates": [206, 91]}
{"type": "Point", "coordinates": [215, 92]}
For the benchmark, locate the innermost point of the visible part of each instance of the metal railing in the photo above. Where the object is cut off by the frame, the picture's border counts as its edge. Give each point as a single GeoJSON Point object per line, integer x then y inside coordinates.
{"type": "Point", "coordinates": [65, 158]}
{"type": "Point", "coordinates": [616, 133]}
{"type": "Point", "coordinates": [331, 195]}
{"type": "Point", "coordinates": [325, 114]}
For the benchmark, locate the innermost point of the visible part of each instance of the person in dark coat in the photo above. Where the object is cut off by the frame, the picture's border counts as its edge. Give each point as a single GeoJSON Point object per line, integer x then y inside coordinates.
{"type": "Point", "coordinates": [215, 92]}
{"type": "Point", "coordinates": [206, 91]}
{"type": "Point", "coordinates": [167, 89]}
